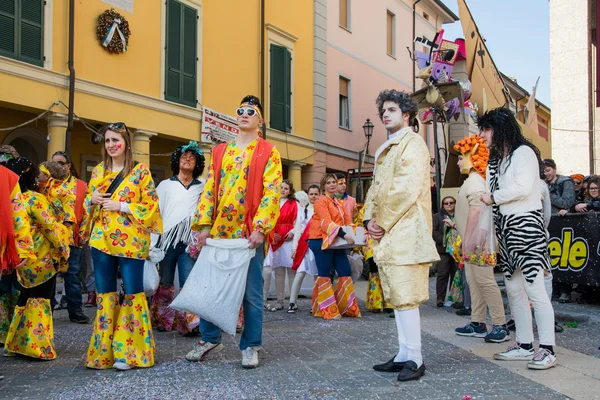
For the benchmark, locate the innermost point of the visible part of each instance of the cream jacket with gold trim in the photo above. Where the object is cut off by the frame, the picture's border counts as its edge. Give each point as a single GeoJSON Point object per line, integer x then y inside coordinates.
{"type": "Point", "coordinates": [400, 201]}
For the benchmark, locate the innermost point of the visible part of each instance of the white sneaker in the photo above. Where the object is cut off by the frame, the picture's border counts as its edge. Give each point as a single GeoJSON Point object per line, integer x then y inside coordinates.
{"type": "Point", "coordinates": [202, 350]}
{"type": "Point", "coordinates": [250, 357]}
{"type": "Point", "coordinates": [543, 359]}
{"type": "Point", "coordinates": [515, 353]}
{"type": "Point", "coordinates": [121, 366]}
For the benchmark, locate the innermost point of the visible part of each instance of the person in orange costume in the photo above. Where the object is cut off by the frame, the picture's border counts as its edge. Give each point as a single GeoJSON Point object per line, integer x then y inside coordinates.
{"type": "Point", "coordinates": [325, 228]}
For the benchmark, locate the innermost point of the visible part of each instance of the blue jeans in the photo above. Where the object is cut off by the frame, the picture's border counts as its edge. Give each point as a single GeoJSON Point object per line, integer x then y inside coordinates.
{"type": "Point", "coordinates": [105, 269]}
{"type": "Point", "coordinates": [253, 308]}
{"type": "Point", "coordinates": [176, 257]}
{"type": "Point", "coordinates": [72, 281]}
{"type": "Point", "coordinates": [326, 258]}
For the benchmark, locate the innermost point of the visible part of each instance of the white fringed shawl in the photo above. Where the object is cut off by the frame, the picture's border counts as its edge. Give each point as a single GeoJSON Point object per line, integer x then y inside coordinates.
{"type": "Point", "coordinates": [177, 206]}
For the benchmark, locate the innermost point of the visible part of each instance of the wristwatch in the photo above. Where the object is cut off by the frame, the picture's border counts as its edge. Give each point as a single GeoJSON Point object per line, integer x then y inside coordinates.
{"type": "Point", "coordinates": [366, 224]}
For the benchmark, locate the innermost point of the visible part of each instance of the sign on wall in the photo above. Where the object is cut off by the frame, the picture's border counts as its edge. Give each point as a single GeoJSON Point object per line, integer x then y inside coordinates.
{"type": "Point", "coordinates": [125, 5]}
{"type": "Point", "coordinates": [574, 247]}
{"type": "Point", "coordinates": [217, 127]}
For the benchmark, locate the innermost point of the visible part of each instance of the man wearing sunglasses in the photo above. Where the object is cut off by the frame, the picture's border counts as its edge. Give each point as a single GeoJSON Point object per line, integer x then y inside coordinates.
{"type": "Point", "coordinates": [241, 200]}
{"type": "Point", "coordinates": [74, 190]}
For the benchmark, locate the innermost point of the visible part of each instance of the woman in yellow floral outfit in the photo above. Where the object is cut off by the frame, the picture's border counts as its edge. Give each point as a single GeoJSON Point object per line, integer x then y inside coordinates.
{"type": "Point", "coordinates": [121, 212]}
{"type": "Point", "coordinates": [31, 331]}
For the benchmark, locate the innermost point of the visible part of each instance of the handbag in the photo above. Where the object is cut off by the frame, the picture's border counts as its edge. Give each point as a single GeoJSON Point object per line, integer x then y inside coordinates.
{"type": "Point", "coordinates": [481, 247]}
{"type": "Point", "coordinates": [357, 233]}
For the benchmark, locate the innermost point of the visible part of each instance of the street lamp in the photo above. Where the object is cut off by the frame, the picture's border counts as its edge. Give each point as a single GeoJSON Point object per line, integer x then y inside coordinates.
{"type": "Point", "coordinates": [368, 130]}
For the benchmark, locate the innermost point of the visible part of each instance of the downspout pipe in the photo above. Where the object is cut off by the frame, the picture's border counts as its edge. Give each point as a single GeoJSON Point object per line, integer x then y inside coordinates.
{"type": "Point", "coordinates": [71, 75]}
{"type": "Point", "coordinates": [262, 63]}
{"type": "Point", "coordinates": [413, 44]}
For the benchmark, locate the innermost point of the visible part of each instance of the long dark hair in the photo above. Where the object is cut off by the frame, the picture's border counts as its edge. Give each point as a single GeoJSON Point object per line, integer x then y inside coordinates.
{"type": "Point", "coordinates": [67, 157]}
{"type": "Point", "coordinates": [507, 135]}
{"type": "Point", "coordinates": [292, 190]}
{"type": "Point", "coordinates": [28, 173]}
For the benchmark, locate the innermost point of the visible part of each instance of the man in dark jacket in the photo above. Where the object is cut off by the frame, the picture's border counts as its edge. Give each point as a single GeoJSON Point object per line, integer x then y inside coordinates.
{"type": "Point", "coordinates": [562, 190]}
{"type": "Point", "coordinates": [443, 221]}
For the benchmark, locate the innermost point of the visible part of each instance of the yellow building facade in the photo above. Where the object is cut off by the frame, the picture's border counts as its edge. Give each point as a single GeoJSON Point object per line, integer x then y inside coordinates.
{"type": "Point", "coordinates": [182, 55]}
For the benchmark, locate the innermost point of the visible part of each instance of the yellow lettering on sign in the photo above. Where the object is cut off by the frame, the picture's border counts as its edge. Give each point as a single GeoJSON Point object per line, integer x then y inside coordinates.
{"type": "Point", "coordinates": [566, 245]}
{"type": "Point", "coordinates": [578, 254]}
{"type": "Point", "coordinates": [568, 253]}
{"type": "Point", "coordinates": [555, 249]}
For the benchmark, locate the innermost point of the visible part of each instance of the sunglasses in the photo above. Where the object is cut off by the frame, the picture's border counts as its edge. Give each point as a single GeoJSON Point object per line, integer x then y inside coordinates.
{"type": "Point", "coordinates": [62, 163]}
{"type": "Point", "coordinates": [249, 111]}
{"type": "Point", "coordinates": [116, 126]}
{"type": "Point", "coordinates": [448, 203]}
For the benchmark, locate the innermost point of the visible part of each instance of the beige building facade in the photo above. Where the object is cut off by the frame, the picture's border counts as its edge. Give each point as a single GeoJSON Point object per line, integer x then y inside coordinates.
{"type": "Point", "coordinates": [574, 84]}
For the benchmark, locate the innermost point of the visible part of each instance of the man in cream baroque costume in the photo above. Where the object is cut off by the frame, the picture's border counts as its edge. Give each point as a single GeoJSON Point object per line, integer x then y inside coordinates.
{"type": "Point", "coordinates": [398, 218]}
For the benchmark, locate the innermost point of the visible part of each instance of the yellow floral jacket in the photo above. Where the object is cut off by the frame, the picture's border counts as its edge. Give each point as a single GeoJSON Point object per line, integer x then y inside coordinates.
{"type": "Point", "coordinates": [21, 225]}
{"type": "Point", "coordinates": [227, 221]}
{"type": "Point", "coordinates": [122, 234]}
{"type": "Point", "coordinates": [400, 201]}
{"type": "Point", "coordinates": [50, 242]}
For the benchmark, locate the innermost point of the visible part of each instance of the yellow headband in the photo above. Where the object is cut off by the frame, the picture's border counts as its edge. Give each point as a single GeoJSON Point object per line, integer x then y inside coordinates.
{"type": "Point", "coordinates": [253, 106]}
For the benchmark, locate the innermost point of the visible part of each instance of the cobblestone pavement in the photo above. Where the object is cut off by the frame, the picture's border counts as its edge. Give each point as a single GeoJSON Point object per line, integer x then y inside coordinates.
{"type": "Point", "coordinates": [303, 358]}
{"type": "Point", "coordinates": [585, 338]}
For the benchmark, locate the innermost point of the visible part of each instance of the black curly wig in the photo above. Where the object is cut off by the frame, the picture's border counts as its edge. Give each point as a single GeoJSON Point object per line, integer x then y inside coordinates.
{"type": "Point", "coordinates": [403, 99]}
{"type": "Point", "coordinates": [507, 135]}
{"type": "Point", "coordinates": [176, 156]}
{"type": "Point", "coordinates": [28, 173]}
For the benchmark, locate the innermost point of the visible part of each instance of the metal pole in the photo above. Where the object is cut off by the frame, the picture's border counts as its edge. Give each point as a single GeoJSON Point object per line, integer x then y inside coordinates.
{"type": "Point", "coordinates": [359, 184]}
{"type": "Point", "coordinates": [71, 76]}
{"type": "Point", "coordinates": [438, 167]}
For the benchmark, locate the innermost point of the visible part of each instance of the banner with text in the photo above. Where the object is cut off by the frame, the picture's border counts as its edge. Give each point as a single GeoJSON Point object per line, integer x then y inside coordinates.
{"type": "Point", "coordinates": [575, 248]}
{"type": "Point", "coordinates": [217, 127]}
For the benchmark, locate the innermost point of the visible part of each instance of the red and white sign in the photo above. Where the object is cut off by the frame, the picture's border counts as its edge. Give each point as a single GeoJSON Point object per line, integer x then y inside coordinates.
{"type": "Point", "coordinates": [217, 127]}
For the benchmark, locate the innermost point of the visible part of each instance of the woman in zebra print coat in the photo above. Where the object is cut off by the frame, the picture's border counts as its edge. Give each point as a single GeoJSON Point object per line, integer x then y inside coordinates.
{"type": "Point", "coordinates": [513, 186]}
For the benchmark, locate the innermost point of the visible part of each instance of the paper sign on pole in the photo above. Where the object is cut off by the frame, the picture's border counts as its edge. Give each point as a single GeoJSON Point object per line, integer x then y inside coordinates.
{"type": "Point", "coordinates": [217, 127]}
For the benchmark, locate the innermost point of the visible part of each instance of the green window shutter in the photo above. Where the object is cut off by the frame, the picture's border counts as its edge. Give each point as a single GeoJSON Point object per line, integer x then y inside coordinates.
{"type": "Point", "coordinates": [31, 32]}
{"type": "Point", "coordinates": [173, 58]}
{"type": "Point", "coordinates": [189, 56]}
{"type": "Point", "coordinates": [280, 93]}
{"type": "Point", "coordinates": [8, 38]}
{"type": "Point", "coordinates": [287, 78]}
{"type": "Point", "coordinates": [181, 54]}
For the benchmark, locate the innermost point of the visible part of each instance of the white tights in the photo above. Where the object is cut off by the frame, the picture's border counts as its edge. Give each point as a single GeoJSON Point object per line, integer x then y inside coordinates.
{"type": "Point", "coordinates": [408, 323]}
{"type": "Point", "coordinates": [279, 280]}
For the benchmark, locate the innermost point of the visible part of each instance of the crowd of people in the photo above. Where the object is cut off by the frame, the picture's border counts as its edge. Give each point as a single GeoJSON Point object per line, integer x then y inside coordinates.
{"type": "Point", "coordinates": [50, 219]}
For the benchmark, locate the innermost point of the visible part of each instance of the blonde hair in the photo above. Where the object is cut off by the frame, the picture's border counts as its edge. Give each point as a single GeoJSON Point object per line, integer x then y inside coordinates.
{"type": "Point", "coordinates": [324, 179]}
{"type": "Point", "coordinates": [129, 161]}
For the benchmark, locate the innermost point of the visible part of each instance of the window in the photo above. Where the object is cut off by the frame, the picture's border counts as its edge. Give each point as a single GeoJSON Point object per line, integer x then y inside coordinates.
{"type": "Point", "coordinates": [344, 103]}
{"type": "Point", "coordinates": [22, 30]}
{"type": "Point", "coordinates": [426, 16]}
{"type": "Point", "coordinates": [181, 53]}
{"type": "Point", "coordinates": [391, 29]}
{"type": "Point", "coordinates": [345, 14]}
{"type": "Point", "coordinates": [280, 109]}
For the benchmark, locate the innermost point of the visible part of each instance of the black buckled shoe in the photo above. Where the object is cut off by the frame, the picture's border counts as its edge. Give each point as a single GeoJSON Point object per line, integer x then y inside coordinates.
{"type": "Point", "coordinates": [79, 317]}
{"type": "Point", "coordinates": [390, 366]}
{"type": "Point", "coordinates": [410, 372]}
